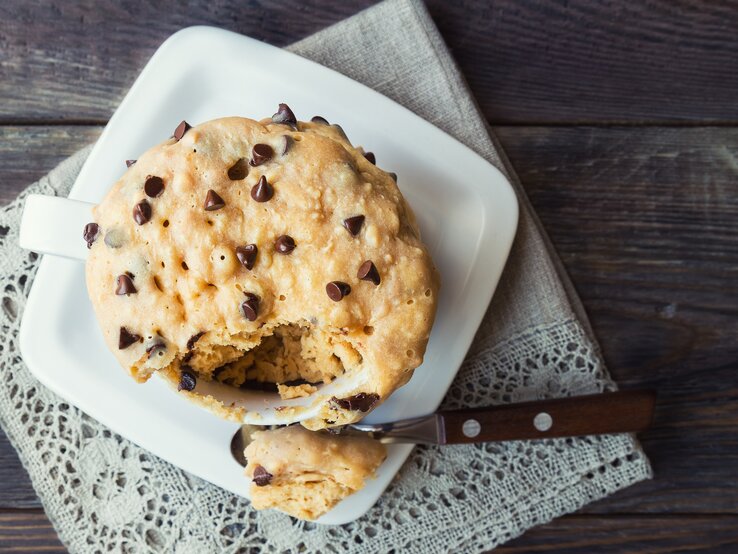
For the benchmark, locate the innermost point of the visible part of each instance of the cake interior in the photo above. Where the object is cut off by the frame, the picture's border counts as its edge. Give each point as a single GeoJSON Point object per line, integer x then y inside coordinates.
{"type": "Point", "coordinates": [293, 359]}
{"type": "Point", "coordinates": [306, 496]}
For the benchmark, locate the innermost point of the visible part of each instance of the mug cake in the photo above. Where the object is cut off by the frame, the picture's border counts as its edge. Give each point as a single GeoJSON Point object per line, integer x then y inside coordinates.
{"type": "Point", "coordinates": [264, 255]}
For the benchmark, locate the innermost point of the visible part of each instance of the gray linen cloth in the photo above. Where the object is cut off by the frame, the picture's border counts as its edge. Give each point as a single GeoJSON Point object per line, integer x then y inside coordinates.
{"type": "Point", "coordinates": [103, 493]}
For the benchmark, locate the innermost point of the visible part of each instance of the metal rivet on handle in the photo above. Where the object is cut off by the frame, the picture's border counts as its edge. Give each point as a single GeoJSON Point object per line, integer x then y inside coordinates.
{"type": "Point", "coordinates": [543, 422]}
{"type": "Point", "coordinates": [471, 428]}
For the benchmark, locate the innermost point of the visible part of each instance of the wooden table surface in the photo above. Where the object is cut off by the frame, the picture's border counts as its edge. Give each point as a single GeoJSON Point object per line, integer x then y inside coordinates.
{"type": "Point", "coordinates": [622, 122]}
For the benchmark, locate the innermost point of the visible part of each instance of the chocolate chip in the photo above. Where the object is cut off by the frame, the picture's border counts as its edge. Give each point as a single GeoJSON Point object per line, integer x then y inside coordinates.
{"type": "Point", "coordinates": [187, 381]}
{"type": "Point", "coordinates": [247, 255]}
{"type": "Point", "coordinates": [129, 163]}
{"type": "Point", "coordinates": [187, 357]}
{"type": "Point", "coordinates": [361, 402]}
{"type": "Point", "coordinates": [125, 286]}
{"type": "Point", "coordinates": [181, 129]}
{"type": "Point", "coordinates": [238, 170]}
{"type": "Point", "coordinates": [336, 290]}
{"type": "Point", "coordinates": [262, 191]}
{"type": "Point", "coordinates": [285, 116]}
{"type": "Point", "coordinates": [262, 477]}
{"type": "Point", "coordinates": [285, 143]}
{"type": "Point", "coordinates": [90, 233]}
{"type": "Point", "coordinates": [261, 153]}
{"type": "Point", "coordinates": [285, 244]}
{"type": "Point", "coordinates": [126, 338]}
{"type": "Point", "coordinates": [142, 212]}
{"type": "Point", "coordinates": [318, 119]}
{"type": "Point", "coordinates": [193, 339]}
{"type": "Point", "coordinates": [213, 201]}
{"type": "Point", "coordinates": [153, 186]}
{"type": "Point", "coordinates": [250, 306]}
{"type": "Point", "coordinates": [393, 175]}
{"type": "Point", "coordinates": [368, 272]}
{"type": "Point", "coordinates": [371, 157]}
{"type": "Point", "coordinates": [156, 348]}
{"type": "Point", "coordinates": [353, 224]}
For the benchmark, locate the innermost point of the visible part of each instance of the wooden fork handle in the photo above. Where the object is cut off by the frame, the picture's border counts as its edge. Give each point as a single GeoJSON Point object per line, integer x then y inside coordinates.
{"type": "Point", "coordinates": [613, 412]}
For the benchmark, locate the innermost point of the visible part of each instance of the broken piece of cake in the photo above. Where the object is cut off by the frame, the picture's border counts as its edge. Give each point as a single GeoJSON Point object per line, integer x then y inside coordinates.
{"type": "Point", "coordinates": [305, 473]}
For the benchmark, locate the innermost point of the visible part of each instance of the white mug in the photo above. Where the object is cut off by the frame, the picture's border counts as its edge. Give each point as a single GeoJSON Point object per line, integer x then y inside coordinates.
{"type": "Point", "coordinates": [53, 226]}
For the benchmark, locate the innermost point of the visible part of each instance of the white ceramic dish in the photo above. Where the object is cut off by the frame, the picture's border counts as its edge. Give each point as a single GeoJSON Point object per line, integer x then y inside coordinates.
{"type": "Point", "coordinates": [466, 209]}
{"type": "Point", "coordinates": [50, 225]}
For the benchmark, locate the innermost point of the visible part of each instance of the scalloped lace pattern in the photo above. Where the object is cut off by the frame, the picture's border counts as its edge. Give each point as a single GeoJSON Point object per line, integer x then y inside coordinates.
{"type": "Point", "coordinates": [105, 494]}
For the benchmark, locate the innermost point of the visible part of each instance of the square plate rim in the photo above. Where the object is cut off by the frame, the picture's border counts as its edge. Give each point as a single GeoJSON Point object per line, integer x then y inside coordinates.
{"type": "Point", "coordinates": [173, 42]}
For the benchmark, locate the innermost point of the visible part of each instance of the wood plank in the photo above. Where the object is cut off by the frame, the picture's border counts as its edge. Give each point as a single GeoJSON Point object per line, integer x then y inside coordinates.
{"type": "Point", "coordinates": [30, 531]}
{"type": "Point", "coordinates": [577, 61]}
{"type": "Point", "coordinates": [526, 62]}
{"type": "Point", "coordinates": [27, 531]}
{"type": "Point", "coordinates": [624, 534]}
{"type": "Point", "coordinates": [645, 220]}
{"type": "Point", "coordinates": [16, 490]}
{"type": "Point", "coordinates": [28, 153]}
{"type": "Point", "coordinates": [84, 72]}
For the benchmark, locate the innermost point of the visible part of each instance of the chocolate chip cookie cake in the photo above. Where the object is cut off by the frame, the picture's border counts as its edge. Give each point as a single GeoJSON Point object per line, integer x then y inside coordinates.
{"type": "Point", "coordinates": [262, 254]}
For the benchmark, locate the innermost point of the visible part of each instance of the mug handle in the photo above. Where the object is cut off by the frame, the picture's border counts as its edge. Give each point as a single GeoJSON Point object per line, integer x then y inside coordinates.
{"type": "Point", "coordinates": [53, 225]}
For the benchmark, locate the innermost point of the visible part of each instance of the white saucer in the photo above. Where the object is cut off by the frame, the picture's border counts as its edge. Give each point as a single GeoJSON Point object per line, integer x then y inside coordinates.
{"type": "Point", "coordinates": [467, 212]}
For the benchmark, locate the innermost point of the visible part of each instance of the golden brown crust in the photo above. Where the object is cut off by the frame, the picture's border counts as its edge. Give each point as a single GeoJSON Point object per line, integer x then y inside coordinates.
{"type": "Point", "coordinates": [189, 280]}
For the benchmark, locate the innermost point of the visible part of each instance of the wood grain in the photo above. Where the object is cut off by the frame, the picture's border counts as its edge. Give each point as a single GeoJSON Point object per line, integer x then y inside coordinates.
{"type": "Point", "coordinates": [644, 218]}
{"type": "Point", "coordinates": [646, 222]}
{"type": "Point", "coordinates": [82, 74]}
{"type": "Point", "coordinates": [538, 61]}
{"type": "Point", "coordinates": [28, 153]}
{"type": "Point", "coordinates": [578, 61]}
{"type": "Point", "coordinates": [15, 486]}
{"type": "Point", "coordinates": [624, 411]}
{"type": "Point", "coordinates": [28, 531]}
{"type": "Point", "coordinates": [628, 534]}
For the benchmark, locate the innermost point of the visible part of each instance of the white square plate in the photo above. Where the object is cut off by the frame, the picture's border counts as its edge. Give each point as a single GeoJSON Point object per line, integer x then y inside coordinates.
{"type": "Point", "coordinates": [466, 209]}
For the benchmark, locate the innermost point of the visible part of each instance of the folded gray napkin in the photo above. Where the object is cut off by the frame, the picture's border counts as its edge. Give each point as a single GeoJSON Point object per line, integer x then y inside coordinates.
{"type": "Point", "coordinates": [103, 493]}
